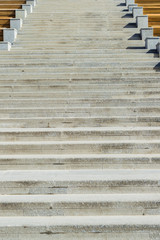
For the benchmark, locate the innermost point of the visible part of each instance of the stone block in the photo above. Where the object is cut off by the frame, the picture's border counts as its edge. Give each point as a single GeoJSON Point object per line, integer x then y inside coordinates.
{"type": "Point", "coordinates": [31, 2]}
{"type": "Point", "coordinates": [16, 23]}
{"type": "Point", "coordinates": [158, 48]}
{"type": "Point", "coordinates": [5, 46]}
{"type": "Point", "coordinates": [137, 11]}
{"type": "Point", "coordinates": [128, 2]}
{"type": "Point", "coordinates": [151, 43]}
{"type": "Point", "coordinates": [28, 8]}
{"type": "Point", "coordinates": [21, 13]}
{"type": "Point", "coordinates": [9, 35]}
{"type": "Point", "coordinates": [146, 33]}
{"type": "Point", "coordinates": [131, 6]}
{"type": "Point", "coordinates": [142, 21]}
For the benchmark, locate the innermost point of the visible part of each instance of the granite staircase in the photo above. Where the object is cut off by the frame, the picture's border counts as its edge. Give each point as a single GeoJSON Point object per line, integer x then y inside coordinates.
{"type": "Point", "coordinates": [79, 127]}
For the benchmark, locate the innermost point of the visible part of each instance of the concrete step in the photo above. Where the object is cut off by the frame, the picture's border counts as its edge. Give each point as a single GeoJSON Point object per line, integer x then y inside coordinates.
{"type": "Point", "coordinates": [84, 72]}
{"type": "Point", "coordinates": [13, 182]}
{"type": "Point", "coordinates": [123, 85]}
{"type": "Point", "coordinates": [79, 65]}
{"type": "Point", "coordinates": [89, 121]}
{"type": "Point", "coordinates": [79, 161]}
{"type": "Point", "coordinates": [46, 51]}
{"type": "Point", "coordinates": [58, 75]}
{"type": "Point", "coordinates": [62, 91]}
{"type": "Point", "coordinates": [80, 134]}
{"type": "Point", "coordinates": [76, 103]}
{"type": "Point", "coordinates": [52, 56]}
{"type": "Point", "coordinates": [112, 227]}
{"type": "Point", "coordinates": [80, 204]}
{"type": "Point", "coordinates": [64, 61]}
{"type": "Point", "coordinates": [88, 95]}
{"type": "Point", "coordinates": [118, 83]}
{"type": "Point", "coordinates": [83, 147]}
{"type": "Point", "coordinates": [79, 112]}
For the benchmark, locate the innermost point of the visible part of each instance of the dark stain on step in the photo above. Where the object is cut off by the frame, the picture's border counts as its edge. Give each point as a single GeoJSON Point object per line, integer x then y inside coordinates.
{"type": "Point", "coordinates": [47, 233]}
{"type": "Point", "coordinates": [51, 233]}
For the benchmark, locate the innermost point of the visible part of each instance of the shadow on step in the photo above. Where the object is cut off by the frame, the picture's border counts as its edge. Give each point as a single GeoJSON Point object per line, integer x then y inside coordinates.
{"type": "Point", "coordinates": [135, 47]}
{"type": "Point", "coordinates": [130, 25]}
{"type": "Point", "coordinates": [157, 67]}
{"type": "Point", "coordinates": [135, 36]}
{"type": "Point", "coordinates": [121, 5]}
{"type": "Point", "coordinates": [128, 15]}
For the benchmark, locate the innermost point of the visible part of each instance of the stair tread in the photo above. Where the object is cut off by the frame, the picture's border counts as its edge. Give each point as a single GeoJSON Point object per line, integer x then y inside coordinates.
{"type": "Point", "coordinates": [81, 221]}
{"type": "Point", "coordinates": [85, 198]}
{"type": "Point", "coordinates": [79, 175]}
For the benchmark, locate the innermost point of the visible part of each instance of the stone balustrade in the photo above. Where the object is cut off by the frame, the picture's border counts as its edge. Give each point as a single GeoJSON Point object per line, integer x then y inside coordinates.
{"type": "Point", "coordinates": [147, 15]}
{"type": "Point", "coordinates": [12, 15]}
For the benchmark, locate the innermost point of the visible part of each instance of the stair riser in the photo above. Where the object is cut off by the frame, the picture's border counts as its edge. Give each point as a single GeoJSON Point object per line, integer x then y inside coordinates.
{"type": "Point", "coordinates": [84, 148]}
{"type": "Point", "coordinates": [73, 103]}
{"type": "Point", "coordinates": [51, 122]}
{"type": "Point", "coordinates": [78, 209]}
{"type": "Point", "coordinates": [73, 166]}
{"type": "Point", "coordinates": [95, 96]}
{"type": "Point", "coordinates": [37, 57]}
{"type": "Point", "coordinates": [84, 67]}
{"type": "Point", "coordinates": [69, 232]}
{"type": "Point", "coordinates": [110, 82]}
{"type": "Point", "coordinates": [17, 88]}
{"type": "Point", "coordinates": [78, 112]}
{"type": "Point", "coordinates": [47, 235]}
{"type": "Point", "coordinates": [80, 135]}
{"type": "Point", "coordinates": [23, 75]}
{"type": "Point", "coordinates": [81, 72]}
{"type": "Point", "coordinates": [66, 61]}
{"type": "Point", "coordinates": [68, 162]}
{"type": "Point", "coordinates": [95, 187]}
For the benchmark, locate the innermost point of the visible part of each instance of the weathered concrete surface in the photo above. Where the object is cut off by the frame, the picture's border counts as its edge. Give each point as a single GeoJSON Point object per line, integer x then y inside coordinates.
{"type": "Point", "coordinates": [142, 21]}
{"type": "Point", "coordinates": [137, 11]}
{"type": "Point", "coordinates": [21, 13]}
{"type": "Point", "coordinates": [79, 127]}
{"type": "Point", "coordinates": [151, 43]}
{"type": "Point", "coordinates": [146, 33]}
{"type": "Point", "coordinates": [5, 46]}
{"type": "Point", "coordinates": [16, 23]}
{"type": "Point", "coordinates": [9, 35]}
